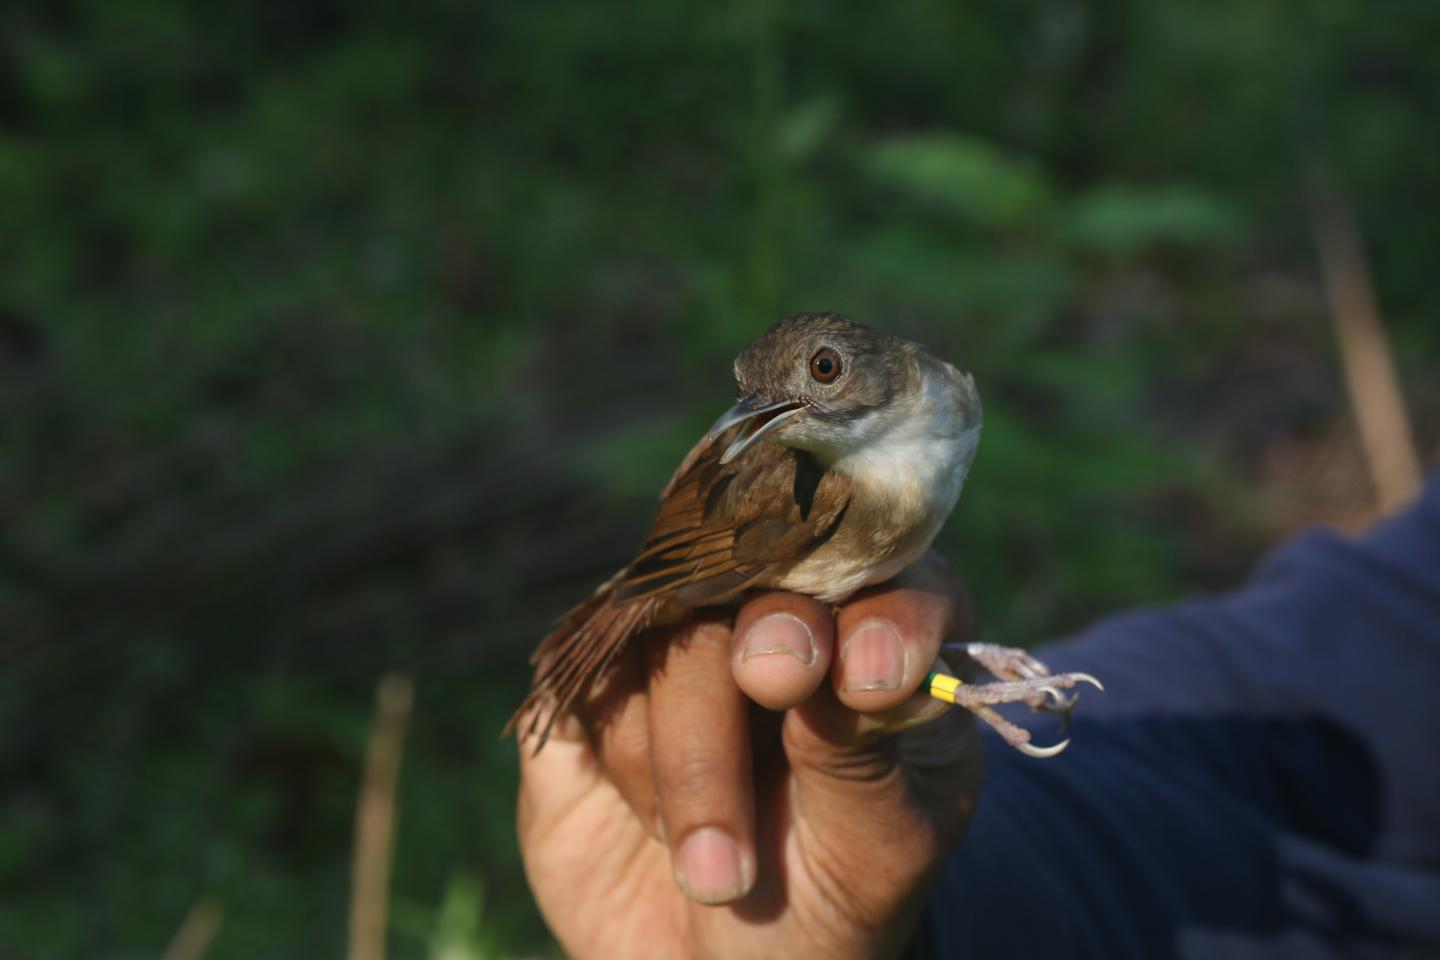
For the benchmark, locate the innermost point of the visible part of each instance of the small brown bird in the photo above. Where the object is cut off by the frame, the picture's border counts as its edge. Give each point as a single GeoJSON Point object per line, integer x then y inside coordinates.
{"type": "Point", "coordinates": [835, 469]}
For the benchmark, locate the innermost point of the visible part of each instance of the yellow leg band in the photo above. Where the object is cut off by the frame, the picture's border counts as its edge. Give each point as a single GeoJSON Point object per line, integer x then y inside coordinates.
{"type": "Point", "coordinates": [942, 686]}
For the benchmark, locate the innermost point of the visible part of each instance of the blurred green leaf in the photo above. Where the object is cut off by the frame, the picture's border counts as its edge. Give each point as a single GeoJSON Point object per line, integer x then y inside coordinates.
{"type": "Point", "coordinates": [806, 127]}
{"type": "Point", "coordinates": [459, 932]}
{"type": "Point", "coordinates": [965, 175]}
{"type": "Point", "coordinates": [1124, 219]}
{"type": "Point", "coordinates": [1003, 285]}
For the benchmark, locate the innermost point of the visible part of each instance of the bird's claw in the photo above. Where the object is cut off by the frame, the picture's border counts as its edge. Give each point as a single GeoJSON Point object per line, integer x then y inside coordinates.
{"type": "Point", "coordinates": [1030, 750]}
{"type": "Point", "coordinates": [1022, 679]}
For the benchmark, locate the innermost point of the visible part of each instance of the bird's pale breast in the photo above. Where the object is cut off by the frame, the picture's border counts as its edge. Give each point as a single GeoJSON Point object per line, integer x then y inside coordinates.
{"type": "Point", "coordinates": [905, 484]}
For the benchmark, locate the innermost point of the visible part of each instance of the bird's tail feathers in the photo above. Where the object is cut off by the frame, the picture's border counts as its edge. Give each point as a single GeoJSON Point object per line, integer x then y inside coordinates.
{"type": "Point", "coordinates": [576, 653]}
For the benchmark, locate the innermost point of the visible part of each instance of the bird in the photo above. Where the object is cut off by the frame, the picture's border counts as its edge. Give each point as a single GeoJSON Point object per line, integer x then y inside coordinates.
{"type": "Point", "coordinates": [834, 470]}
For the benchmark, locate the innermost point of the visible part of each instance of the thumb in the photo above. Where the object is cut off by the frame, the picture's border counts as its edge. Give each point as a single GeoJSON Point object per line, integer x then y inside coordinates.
{"type": "Point", "coordinates": [872, 817]}
{"type": "Point", "coordinates": [903, 796]}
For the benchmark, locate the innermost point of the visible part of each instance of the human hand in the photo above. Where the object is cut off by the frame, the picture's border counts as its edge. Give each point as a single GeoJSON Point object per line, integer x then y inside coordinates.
{"type": "Point", "coordinates": [672, 817]}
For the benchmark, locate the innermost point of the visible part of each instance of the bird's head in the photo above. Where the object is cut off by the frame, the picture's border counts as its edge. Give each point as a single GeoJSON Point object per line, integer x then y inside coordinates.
{"type": "Point", "coordinates": [819, 382]}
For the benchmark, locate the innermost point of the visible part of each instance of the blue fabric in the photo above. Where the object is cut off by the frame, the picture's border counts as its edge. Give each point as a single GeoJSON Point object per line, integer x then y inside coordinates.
{"type": "Point", "coordinates": [1260, 778]}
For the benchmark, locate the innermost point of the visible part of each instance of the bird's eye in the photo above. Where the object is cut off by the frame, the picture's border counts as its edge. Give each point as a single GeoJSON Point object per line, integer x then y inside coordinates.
{"type": "Point", "coordinates": [825, 365]}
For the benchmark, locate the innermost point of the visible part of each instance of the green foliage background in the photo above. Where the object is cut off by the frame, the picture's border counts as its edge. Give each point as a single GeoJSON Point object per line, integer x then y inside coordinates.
{"type": "Point", "coordinates": [339, 337]}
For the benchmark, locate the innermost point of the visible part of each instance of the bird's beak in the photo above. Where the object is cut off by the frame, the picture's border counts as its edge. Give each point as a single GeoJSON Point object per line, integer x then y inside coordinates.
{"type": "Point", "coordinates": [762, 418]}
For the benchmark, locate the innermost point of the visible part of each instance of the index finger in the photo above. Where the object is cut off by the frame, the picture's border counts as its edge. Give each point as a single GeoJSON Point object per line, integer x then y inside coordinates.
{"type": "Point", "coordinates": [700, 763]}
{"type": "Point", "coordinates": [782, 646]}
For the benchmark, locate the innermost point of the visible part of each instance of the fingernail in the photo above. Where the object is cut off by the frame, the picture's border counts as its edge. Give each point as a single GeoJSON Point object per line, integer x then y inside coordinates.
{"type": "Point", "coordinates": [873, 657]}
{"type": "Point", "coordinates": [708, 868]}
{"type": "Point", "coordinates": [779, 633]}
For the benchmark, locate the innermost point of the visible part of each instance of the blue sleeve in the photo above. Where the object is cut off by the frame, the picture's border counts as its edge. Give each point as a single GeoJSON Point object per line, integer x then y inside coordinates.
{"type": "Point", "coordinates": [1260, 778]}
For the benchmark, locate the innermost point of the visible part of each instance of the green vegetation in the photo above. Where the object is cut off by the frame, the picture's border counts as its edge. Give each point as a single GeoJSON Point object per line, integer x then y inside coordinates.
{"type": "Point", "coordinates": [341, 338]}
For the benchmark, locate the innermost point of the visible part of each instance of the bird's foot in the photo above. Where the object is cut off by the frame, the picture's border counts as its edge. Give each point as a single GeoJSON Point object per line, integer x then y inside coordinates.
{"type": "Point", "coordinates": [1022, 679]}
{"type": "Point", "coordinates": [1012, 663]}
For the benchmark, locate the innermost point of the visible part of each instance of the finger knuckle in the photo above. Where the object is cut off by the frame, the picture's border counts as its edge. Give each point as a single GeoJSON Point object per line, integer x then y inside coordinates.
{"type": "Point", "coordinates": [689, 775]}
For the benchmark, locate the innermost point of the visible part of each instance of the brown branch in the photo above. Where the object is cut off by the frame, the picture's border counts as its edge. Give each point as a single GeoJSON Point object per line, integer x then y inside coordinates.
{"type": "Point", "coordinates": [375, 819]}
{"type": "Point", "coordinates": [1365, 354]}
{"type": "Point", "coordinates": [196, 933]}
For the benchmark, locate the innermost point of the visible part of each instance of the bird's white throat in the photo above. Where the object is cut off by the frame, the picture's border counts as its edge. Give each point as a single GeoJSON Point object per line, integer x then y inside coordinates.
{"type": "Point", "coordinates": [919, 448]}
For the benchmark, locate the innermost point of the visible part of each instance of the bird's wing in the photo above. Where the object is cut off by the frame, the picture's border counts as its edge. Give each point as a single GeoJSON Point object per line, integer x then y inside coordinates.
{"type": "Point", "coordinates": [722, 527]}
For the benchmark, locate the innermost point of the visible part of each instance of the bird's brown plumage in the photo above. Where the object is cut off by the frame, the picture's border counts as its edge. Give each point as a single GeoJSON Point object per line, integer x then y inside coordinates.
{"type": "Point", "coordinates": [721, 528]}
{"type": "Point", "coordinates": [819, 480]}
